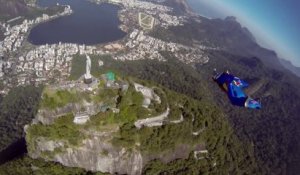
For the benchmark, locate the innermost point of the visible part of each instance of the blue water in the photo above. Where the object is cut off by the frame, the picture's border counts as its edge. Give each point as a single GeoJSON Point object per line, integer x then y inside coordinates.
{"type": "Point", "coordinates": [89, 24]}
{"type": "Point", "coordinates": [204, 9]}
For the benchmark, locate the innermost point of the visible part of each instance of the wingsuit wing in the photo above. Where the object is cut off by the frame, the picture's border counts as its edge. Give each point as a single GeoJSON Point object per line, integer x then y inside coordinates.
{"type": "Point", "coordinates": [234, 86]}
{"type": "Point", "coordinates": [240, 83]}
{"type": "Point", "coordinates": [223, 80]}
{"type": "Point", "coordinates": [236, 95]}
{"type": "Point", "coordinates": [253, 104]}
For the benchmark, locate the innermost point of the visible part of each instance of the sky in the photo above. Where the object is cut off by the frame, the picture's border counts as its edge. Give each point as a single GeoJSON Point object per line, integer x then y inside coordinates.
{"type": "Point", "coordinates": [274, 23]}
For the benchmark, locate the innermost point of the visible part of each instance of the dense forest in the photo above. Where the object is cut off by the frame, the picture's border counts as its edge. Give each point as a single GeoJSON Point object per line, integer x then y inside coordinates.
{"type": "Point", "coordinates": [17, 109]}
{"type": "Point", "coordinates": [273, 131]}
{"type": "Point", "coordinates": [277, 144]}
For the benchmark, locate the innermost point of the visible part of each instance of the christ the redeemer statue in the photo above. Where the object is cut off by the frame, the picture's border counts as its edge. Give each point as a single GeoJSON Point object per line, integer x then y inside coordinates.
{"type": "Point", "coordinates": [87, 75]}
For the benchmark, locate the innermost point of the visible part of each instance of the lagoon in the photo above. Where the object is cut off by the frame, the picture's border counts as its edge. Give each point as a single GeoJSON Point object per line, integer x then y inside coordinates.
{"type": "Point", "coordinates": [89, 24]}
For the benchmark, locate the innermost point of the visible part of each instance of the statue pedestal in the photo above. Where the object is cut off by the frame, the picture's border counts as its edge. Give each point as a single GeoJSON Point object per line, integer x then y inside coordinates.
{"type": "Point", "coordinates": [88, 79]}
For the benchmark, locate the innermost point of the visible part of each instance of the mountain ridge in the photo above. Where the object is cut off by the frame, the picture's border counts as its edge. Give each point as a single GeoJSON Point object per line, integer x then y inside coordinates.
{"type": "Point", "coordinates": [289, 65]}
{"type": "Point", "coordinates": [132, 149]}
{"type": "Point", "coordinates": [13, 8]}
{"type": "Point", "coordinates": [269, 56]}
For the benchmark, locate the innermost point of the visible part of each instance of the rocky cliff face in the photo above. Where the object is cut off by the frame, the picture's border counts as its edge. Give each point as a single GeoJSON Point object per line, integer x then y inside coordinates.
{"type": "Point", "coordinates": [94, 154]}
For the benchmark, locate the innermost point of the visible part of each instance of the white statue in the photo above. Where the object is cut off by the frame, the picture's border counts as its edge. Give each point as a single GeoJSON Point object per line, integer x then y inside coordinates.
{"type": "Point", "coordinates": [88, 75]}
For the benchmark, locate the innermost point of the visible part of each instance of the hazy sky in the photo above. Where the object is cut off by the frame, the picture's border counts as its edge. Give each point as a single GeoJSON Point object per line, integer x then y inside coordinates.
{"type": "Point", "coordinates": [274, 23]}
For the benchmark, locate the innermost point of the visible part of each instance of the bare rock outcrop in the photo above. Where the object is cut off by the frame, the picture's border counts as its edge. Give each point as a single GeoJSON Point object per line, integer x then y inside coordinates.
{"type": "Point", "coordinates": [93, 154]}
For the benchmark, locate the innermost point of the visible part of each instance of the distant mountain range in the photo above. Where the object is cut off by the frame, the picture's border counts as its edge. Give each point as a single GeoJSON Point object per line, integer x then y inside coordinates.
{"type": "Point", "coordinates": [236, 39]}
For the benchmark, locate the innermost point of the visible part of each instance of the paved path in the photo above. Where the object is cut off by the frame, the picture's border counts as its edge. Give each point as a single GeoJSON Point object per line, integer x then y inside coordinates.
{"type": "Point", "coordinates": [178, 121]}
{"type": "Point", "coordinates": [153, 121]}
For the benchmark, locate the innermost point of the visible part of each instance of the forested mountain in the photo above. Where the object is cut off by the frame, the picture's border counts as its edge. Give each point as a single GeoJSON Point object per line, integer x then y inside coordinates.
{"type": "Point", "coordinates": [226, 34]}
{"type": "Point", "coordinates": [10, 9]}
{"type": "Point", "coordinates": [274, 130]}
{"type": "Point", "coordinates": [13, 8]}
{"type": "Point", "coordinates": [263, 141]}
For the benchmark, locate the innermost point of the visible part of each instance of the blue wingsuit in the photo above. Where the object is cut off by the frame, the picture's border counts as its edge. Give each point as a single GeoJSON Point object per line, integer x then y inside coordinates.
{"type": "Point", "coordinates": [233, 86]}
